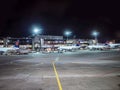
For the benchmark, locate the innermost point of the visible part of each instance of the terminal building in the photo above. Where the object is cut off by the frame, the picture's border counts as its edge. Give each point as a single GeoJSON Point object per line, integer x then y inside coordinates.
{"type": "Point", "coordinates": [35, 43]}
{"type": "Point", "coordinates": [46, 41]}
{"type": "Point", "coordinates": [10, 41]}
{"type": "Point", "coordinates": [42, 42]}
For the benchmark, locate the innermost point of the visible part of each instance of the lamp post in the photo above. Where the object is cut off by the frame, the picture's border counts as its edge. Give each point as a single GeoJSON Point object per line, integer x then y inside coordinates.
{"type": "Point", "coordinates": [95, 34]}
{"type": "Point", "coordinates": [67, 34]}
{"type": "Point", "coordinates": [37, 31]}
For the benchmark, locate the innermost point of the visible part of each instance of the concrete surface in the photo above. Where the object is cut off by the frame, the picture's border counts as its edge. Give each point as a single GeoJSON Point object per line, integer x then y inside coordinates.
{"type": "Point", "coordinates": [81, 70]}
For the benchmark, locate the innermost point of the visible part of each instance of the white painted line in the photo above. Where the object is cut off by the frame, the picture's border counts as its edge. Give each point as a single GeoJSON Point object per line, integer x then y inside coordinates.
{"type": "Point", "coordinates": [95, 62]}
{"type": "Point", "coordinates": [24, 76]}
{"type": "Point", "coordinates": [84, 75]}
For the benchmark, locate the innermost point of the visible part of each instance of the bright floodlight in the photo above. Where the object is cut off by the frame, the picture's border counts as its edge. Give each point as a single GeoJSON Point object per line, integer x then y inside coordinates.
{"type": "Point", "coordinates": [67, 33]}
{"type": "Point", "coordinates": [95, 33]}
{"type": "Point", "coordinates": [37, 30]}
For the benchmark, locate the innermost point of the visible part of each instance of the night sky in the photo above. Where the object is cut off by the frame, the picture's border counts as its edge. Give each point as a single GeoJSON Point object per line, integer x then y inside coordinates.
{"type": "Point", "coordinates": [18, 17]}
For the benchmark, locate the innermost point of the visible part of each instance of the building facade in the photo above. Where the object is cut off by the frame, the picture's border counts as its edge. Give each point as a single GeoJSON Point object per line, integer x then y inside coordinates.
{"type": "Point", "coordinates": [45, 41]}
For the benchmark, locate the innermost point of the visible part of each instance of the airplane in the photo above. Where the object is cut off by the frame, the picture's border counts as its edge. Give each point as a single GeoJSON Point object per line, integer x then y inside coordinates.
{"type": "Point", "coordinates": [13, 50]}
{"type": "Point", "coordinates": [98, 47]}
{"type": "Point", "coordinates": [6, 50]}
{"type": "Point", "coordinates": [116, 45]}
{"type": "Point", "coordinates": [68, 48]}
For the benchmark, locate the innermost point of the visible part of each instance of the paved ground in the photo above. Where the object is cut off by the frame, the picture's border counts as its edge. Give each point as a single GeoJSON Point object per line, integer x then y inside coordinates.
{"type": "Point", "coordinates": [81, 70]}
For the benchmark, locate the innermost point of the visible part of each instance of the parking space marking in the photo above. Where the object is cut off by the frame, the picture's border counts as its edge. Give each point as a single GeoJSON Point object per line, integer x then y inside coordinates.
{"type": "Point", "coordinates": [57, 77]}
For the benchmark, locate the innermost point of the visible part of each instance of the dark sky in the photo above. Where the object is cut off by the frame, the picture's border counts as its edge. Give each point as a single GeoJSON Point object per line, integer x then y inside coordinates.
{"type": "Point", "coordinates": [17, 17]}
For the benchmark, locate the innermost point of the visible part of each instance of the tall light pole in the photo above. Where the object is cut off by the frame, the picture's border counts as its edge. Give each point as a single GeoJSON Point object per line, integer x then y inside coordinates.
{"type": "Point", "coordinates": [95, 34]}
{"type": "Point", "coordinates": [37, 31]}
{"type": "Point", "coordinates": [67, 33]}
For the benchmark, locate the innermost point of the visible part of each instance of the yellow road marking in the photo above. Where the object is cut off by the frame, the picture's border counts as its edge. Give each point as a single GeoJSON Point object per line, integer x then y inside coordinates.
{"type": "Point", "coordinates": [57, 77]}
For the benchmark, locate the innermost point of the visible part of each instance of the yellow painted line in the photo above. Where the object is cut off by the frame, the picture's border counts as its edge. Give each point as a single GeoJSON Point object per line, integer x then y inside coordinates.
{"type": "Point", "coordinates": [57, 77]}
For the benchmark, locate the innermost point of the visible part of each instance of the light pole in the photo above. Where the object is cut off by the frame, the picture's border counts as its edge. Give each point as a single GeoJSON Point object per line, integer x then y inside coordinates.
{"type": "Point", "coordinates": [95, 34]}
{"type": "Point", "coordinates": [37, 31]}
{"type": "Point", "coordinates": [67, 34]}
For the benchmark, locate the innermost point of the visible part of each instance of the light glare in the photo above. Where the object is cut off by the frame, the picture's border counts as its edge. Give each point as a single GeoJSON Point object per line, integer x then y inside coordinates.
{"type": "Point", "coordinates": [68, 33]}
{"type": "Point", "coordinates": [95, 33]}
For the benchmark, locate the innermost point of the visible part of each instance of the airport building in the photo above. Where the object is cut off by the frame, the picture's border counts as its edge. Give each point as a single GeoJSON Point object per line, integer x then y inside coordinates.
{"type": "Point", "coordinates": [36, 42]}
{"type": "Point", "coordinates": [42, 42]}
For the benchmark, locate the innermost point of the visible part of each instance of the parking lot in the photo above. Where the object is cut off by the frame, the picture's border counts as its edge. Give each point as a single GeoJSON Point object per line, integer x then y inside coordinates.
{"type": "Point", "coordinates": [80, 70]}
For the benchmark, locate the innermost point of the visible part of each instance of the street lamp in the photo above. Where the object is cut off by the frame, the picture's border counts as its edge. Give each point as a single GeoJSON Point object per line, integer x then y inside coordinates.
{"type": "Point", "coordinates": [37, 31]}
{"type": "Point", "coordinates": [95, 34]}
{"type": "Point", "coordinates": [67, 33]}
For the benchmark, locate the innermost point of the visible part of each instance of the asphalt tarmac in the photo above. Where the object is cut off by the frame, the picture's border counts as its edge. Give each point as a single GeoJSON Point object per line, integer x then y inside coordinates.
{"type": "Point", "coordinates": [80, 70]}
